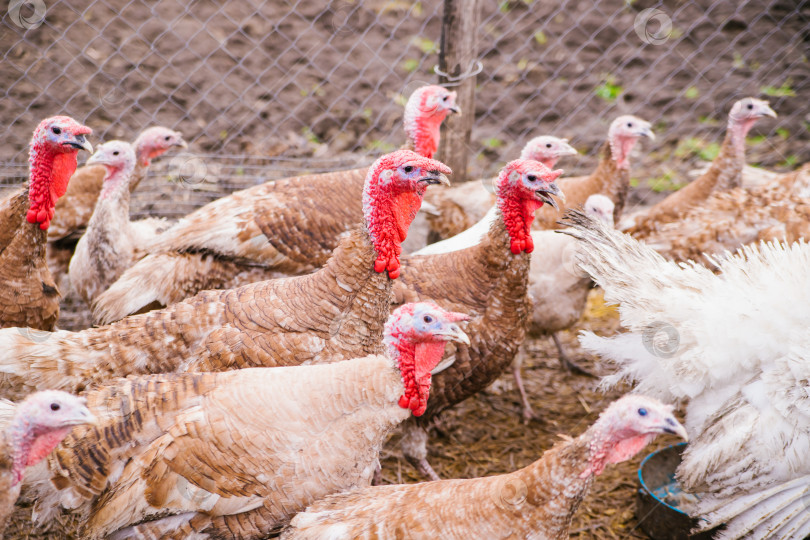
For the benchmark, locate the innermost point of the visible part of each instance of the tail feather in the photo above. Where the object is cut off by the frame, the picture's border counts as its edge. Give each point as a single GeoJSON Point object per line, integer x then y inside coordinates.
{"type": "Point", "coordinates": [772, 513]}
{"type": "Point", "coordinates": [679, 315]}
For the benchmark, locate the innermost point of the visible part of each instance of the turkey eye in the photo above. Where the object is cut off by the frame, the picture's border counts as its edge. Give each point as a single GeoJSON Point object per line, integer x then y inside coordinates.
{"type": "Point", "coordinates": [115, 153]}
{"type": "Point", "coordinates": [642, 412]}
{"type": "Point", "coordinates": [56, 130]}
{"type": "Point", "coordinates": [629, 124]}
{"type": "Point", "coordinates": [548, 145]}
{"type": "Point", "coordinates": [55, 406]}
{"type": "Point", "coordinates": [532, 178]}
{"type": "Point", "coordinates": [750, 105]}
{"type": "Point", "coordinates": [444, 98]}
{"type": "Point", "coordinates": [408, 169]}
{"type": "Point", "coordinates": [166, 138]}
{"type": "Point", "coordinates": [428, 319]}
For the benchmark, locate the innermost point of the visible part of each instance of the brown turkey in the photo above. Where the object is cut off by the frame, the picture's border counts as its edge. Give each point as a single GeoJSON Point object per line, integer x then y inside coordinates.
{"type": "Point", "coordinates": [29, 296]}
{"type": "Point", "coordinates": [237, 454]}
{"type": "Point", "coordinates": [724, 173]}
{"type": "Point", "coordinates": [30, 431]}
{"type": "Point", "coordinates": [281, 228]}
{"type": "Point", "coordinates": [74, 209]}
{"type": "Point", "coordinates": [333, 314]}
{"type": "Point", "coordinates": [489, 281]}
{"type": "Point", "coordinates": [112, 242]}
{"type": "Point", "coordinates": [537, 501]}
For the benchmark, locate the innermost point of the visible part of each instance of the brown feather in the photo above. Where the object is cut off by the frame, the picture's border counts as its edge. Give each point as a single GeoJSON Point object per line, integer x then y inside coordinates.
{"type": "Point", "coordinates": [29, 295]}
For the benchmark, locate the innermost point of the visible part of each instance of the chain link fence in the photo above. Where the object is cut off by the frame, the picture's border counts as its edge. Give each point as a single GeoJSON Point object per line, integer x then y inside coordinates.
{"type": "Point", "coordinates": [264, 89]}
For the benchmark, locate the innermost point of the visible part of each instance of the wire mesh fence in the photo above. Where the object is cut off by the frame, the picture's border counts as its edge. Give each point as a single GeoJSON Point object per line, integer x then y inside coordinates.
{"type": "Point", "coordinates": [263, 89]}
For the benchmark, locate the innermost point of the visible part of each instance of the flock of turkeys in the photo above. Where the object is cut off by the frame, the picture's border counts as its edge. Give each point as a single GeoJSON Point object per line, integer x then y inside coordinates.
{"type": "Point", "coordinates": [250, 360]}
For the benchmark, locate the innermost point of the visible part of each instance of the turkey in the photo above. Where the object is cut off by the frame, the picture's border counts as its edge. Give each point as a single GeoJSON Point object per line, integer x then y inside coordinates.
{"type": "Point", "coordinates": [239, 453]}
{"type": "Point", "coordinates": [726, 345]}
{"type": "Point", "coordinates": [112, 242]}
{"type": "Point", "coordinates": [333, 314]}
{"type": "Point", "coordinates": [537, 501]}
{"type": "Point", "coordinates": [33, 429]}
{"type": "Point", "coordinates": [724, 173]}
{"type": "Point", "coordinates": [775, 210]}
{"type": "Point", "coordinates": [281, 228]}
{"type": "Point", "coordinates": [28, 293]}
{"type": "Point", "coordinates": [489, 281]}
{"type": "Point", "coordinates": [450, 211]}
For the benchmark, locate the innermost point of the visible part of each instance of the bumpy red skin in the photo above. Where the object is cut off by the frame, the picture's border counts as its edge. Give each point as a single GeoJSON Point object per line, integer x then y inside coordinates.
{"type": "Point", "coordinates": [415, 365]}
{"type": "Point", "coordinates": [518, 204]}
{"type": "Point", "coordinates": [396, 202]}
{"type": "Point", "coordinates": [51, 166]}
{"type": "Point", "coordinates": [424, 117]}
{"type": "Point", "coordinates": [416, 353]}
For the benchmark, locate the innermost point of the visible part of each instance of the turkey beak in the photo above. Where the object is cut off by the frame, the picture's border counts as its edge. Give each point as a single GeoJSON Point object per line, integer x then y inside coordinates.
{"type": "Point", "coordinates": [96, 159]}
{"type": "Point", "coordinates": [453, 333]}
{"type": "Point", "coordinates": [83, 416]}
{"type": "Point", "coordinates": [455, 109]}
{"type": "Point", "coordinates": [79, 142]}
{"type": "Point", "coordinates": [545, 195]}
{"type": "Point", "coordinates": [647, 131]}
{"type": "Point", "coordinates": [765, 110]}
{"type": "Point", "coordinates": [567, 150]}
{"type": "Point", "coordinates": [675, 428]}
{"type": "Point", "coordinates": [434, 178]}
{"type": "Point", "coordinates": [181, 143]}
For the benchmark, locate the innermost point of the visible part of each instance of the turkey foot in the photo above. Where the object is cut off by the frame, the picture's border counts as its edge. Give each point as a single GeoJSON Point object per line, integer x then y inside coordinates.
{"type": "Point", "coordinates": [414, 448]}
{"type": "Point", "coordinates": [376, 478]}
{"type": "Point", "coordinates": [517, 368]}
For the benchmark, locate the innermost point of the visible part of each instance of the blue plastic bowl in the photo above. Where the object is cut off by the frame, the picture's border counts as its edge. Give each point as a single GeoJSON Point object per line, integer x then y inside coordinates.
{"type": "Point", "coordinates": [658, 519]}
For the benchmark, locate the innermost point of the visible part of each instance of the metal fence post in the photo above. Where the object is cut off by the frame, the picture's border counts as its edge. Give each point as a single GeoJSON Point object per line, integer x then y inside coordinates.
{"type": "Point", "coordinates": [457, 57]}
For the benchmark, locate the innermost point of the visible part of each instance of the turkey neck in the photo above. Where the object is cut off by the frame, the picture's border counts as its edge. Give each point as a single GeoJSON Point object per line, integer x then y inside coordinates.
{"type": "Point", "coordinates": [112, 206]}
{"type": "Point", "coordinates": [725, 172]}
{"type": "Point", "coordinates": [610, 180]}
{"type": "Point", "coordinates": [554, 487]}
{"type": "Point", "coordinates": [28, 241]}
{"type": "Point", "coordinates": [365, 295]}
{"type": "Point", "coordinates": [138, 174]}
{"type": "Point", "coordinates": [495, 247]}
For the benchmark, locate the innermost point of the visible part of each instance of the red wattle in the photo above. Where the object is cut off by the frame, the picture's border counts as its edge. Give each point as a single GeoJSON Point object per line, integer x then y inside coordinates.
{"type": "Point", "coordinates": [518, 214]}
{"type": "Point", "coordinates": [529, 244]}
{"type": "Point", "coordinates": [44, 444]}
{"type": "Point", "coordinates": [405, 207]}
{"type": "Point", "coordinates": [50, 174]}
{"type": "Point", "coordinates": [415, 363]}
